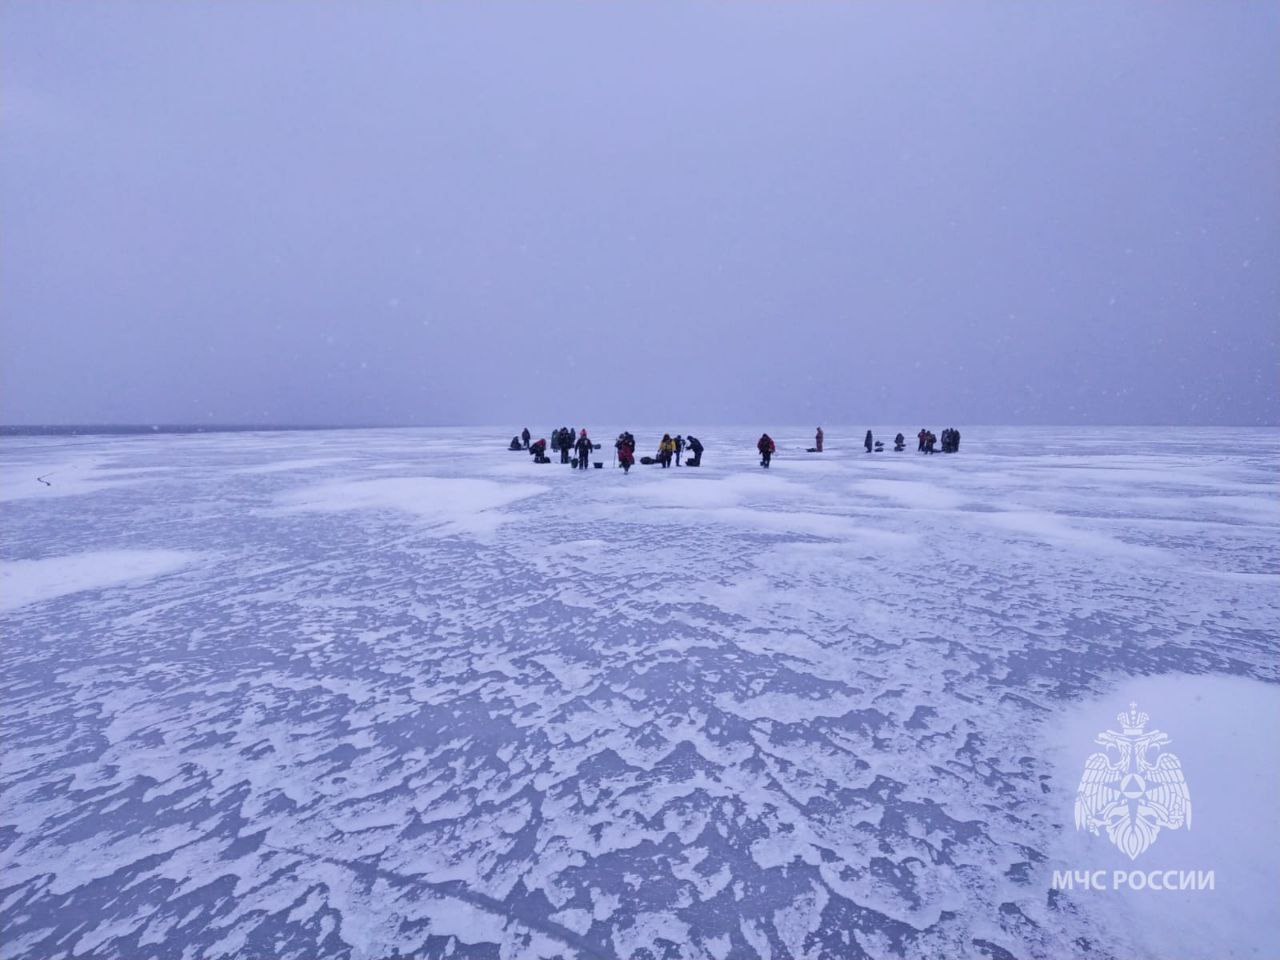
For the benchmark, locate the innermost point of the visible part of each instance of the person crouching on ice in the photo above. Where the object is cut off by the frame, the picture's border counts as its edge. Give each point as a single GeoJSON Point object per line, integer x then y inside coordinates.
{"type": "Point", "coordinates": [766, 446]}
{"type": "Point", "coordinates": [695, 445]}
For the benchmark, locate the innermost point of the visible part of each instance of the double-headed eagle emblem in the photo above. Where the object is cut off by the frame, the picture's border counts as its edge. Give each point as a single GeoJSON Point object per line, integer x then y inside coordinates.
{"type": "Point", "coordinates": [1133, 789]}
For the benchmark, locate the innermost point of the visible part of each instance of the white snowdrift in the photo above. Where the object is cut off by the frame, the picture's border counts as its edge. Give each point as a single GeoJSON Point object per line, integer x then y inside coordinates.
{"type": "Point", "coordinates": [24, 582]}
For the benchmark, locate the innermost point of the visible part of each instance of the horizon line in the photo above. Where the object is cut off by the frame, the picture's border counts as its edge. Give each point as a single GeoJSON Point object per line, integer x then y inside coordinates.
{"type": "Point", "coordinates": [48, 429]}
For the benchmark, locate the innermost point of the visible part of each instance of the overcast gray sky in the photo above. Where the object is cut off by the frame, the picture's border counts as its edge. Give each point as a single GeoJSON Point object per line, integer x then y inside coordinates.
{"type": "Point", "coordinates": [354, 212]}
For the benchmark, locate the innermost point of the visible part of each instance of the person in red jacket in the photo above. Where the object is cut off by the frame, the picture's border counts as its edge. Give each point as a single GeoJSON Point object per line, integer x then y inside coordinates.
{"type": "Point", "coordinates": [625, 457]}
{"type": "Point", "coordinates": [766, 446]}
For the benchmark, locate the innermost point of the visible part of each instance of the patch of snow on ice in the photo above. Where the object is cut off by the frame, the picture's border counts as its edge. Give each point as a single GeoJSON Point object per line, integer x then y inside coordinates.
{"type": "Point", "coordinates": [24, 582]}
{"type": "Point", "coordinates": [461, 505]}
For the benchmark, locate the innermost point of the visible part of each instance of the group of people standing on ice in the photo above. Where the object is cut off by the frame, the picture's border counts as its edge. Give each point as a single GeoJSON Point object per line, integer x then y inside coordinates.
{"type": "Point", "coordinates": [569, 443]}
{"type": "Point", "coordinates": [672, 448]}
{"type": "Point", "coordinates": [576, 449]}
{"type": "Point", "coordinates": [929, 442]}
{"type": "Point", "coordinates": [563, 439]}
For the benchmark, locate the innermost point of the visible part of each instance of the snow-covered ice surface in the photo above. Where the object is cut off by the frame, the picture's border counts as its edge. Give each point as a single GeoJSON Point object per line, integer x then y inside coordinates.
{"type": "Point", "coordinates": [376, 693]}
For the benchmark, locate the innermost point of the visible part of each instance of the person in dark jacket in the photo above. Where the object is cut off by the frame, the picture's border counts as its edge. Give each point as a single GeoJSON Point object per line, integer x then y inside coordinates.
{"type": "Point", "coordinates": [867, 441]}
{"type": "Point", "coordinates": [899, 443]}
{"type": "Point", "coordinates": [679, 447]}
{"type": "Point", "coordinates": [566, 444]}
{"type": "Point", "coordinates": [767, 448]}
{"type": "Point", "coordinates": [695, 445]}
{"type": "Point", "coordinates": [539, 451]}
{"type": "Point", "coordinates": [525, 435]}
{"type": "Point", "coordinates": [583, 448]}
{"type": "Point", "coordinates": [515, 444]}
{"type": "Point", "coordinates": [817, 441]}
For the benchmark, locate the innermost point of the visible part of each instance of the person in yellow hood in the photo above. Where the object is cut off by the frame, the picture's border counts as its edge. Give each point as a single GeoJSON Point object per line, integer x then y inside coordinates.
{"type": "Point", "coordinates": [666, 450]}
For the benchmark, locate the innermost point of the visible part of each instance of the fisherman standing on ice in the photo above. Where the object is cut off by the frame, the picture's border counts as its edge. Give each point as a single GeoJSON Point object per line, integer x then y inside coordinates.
{"type": "Point", "coordinates": [626, 447]}
{"type": "Point", "coordinates": [817, 441]}
{"type": "Point", "coordinates": [584, 451]}
{"type": "Point", "coordinates": [666, 450]}
{"type": "Point", "coordinates": [867, 441]}
{"type": "Point", "coordinates": [766, 446]}
{"type": "Point", "coordinates": [679, 447]}
{"type": "Point", "coordinates": [525, 435]}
